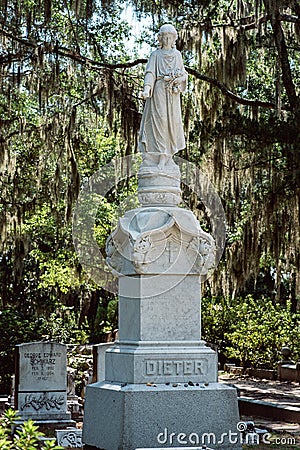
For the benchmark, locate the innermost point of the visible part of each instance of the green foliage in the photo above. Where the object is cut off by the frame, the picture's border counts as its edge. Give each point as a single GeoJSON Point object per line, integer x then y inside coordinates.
{"type": "Point", "coordinates": [63, 326]}
{"type": "Point", "coordinates": [26, 437]}
{"type": "Point", "coordinates": [106, 215]}
{"type": "Point", "coordinates": [82, 367]}
{"type": "Point", "coordinates": [106, 317]}
{"type": "Point", "coordinates": [251, 331]}
{"type": "Point", "coordinates": [18, 327]}
{"type": "Point", "coordinates": [66, 111]}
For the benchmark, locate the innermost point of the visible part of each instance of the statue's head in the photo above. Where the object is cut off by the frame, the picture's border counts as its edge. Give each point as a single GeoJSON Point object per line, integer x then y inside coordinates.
{"type": "Point", "coordinates": [167, 29]}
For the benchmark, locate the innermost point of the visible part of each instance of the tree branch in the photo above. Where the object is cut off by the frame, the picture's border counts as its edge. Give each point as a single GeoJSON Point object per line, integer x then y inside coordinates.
{"type": "Point", "coordinates": [65, 52]}
{"type": "Point", "coordinates": [13, 57]}
{"type": "Point", "coordinates": [280, 43]}
{"type": "Point", "coordinates": [232, 95]}
{"type": "Point", "coordinates": [96, 65]}
{"type": "Point", "coordinates": [288, 18]}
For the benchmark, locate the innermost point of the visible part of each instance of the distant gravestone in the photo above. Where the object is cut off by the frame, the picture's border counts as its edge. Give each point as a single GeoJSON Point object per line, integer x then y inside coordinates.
{"type": "Point", "coordinates": [41, 381]}
{"type": "Point", "coordinates": [99, 351]}
{"type": "Point", "coordinates": [69, 438]}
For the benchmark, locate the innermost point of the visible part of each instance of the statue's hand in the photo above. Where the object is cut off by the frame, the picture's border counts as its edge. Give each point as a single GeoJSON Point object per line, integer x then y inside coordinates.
{"type": "Point", "coordinates": [146, 92]}
{"type": "Point", "coordinates": [181, 79]}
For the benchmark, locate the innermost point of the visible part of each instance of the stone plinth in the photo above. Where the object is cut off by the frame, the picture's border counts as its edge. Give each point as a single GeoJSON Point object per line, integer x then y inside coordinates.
{"type": "Point", "coordinates": [157, 363]}
{"type": "Point", "coordinates": [159, 416]}
{"type": "Point", "coordinates": [157, 187]}
{"type": "Point", "coordinates": [171, 315]}
{"type": "Point", "coordinates": [159, 374]}
{"type": "Point", "coordinates": [160, 335]}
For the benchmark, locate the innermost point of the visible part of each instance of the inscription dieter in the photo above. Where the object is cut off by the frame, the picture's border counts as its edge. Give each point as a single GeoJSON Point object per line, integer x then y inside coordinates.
{"type": "Point", "coordinates": [175, 367]}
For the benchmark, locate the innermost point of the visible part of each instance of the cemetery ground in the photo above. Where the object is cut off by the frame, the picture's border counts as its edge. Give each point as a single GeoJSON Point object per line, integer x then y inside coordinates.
{"type": "Point", "coordinates": [82, 370]}
{"type": "Point", "coordinates": [283, 433]}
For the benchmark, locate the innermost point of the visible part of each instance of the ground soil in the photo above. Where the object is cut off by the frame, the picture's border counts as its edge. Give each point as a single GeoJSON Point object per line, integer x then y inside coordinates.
{"type": "Point", "coordinates": [282, 393]}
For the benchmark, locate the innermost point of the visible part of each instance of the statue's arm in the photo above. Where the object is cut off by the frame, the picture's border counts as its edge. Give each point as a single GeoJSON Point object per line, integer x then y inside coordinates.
{"type": "Point", "coordinates": [150, 77]}
{"type": "Point", "coordinates": [182, 79]}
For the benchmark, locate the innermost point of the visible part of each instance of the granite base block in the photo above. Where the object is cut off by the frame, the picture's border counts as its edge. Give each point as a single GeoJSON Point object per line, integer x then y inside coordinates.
{"type": "Point", "coordinates": [43, 405]}
{"type": "Point", "coordinates": [158, 363]}
{"type": "Point", "coordinates": [119, 417]}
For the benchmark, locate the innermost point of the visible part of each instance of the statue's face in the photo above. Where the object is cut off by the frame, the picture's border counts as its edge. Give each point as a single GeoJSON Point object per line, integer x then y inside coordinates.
{"type": "Point", "coordinates": [167, 40]}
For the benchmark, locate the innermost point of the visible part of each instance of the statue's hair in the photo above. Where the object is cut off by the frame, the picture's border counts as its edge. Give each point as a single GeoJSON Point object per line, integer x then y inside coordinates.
{"type": "Point", "coordinates": [167, 28]}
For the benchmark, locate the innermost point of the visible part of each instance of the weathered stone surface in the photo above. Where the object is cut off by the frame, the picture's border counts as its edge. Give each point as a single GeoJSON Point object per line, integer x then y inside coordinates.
{"type": "Point", "coordinates": [161, 364]}
{"type": "Point", "coordinates": [52, 404]}
{"type": "Point", "coordinates": [99, 360]}
{"type": "Point", "coordinates": [160, 335]}
{"type": "Point", "coordinates": [161, 415]}
{"type": "Point", "coordinates": [41, 381]}
{"type": "Point", "coordinates": [157, 187]}
{"type": "Point", "coordinates": [72, 437]}
{"type": "Point", "coordinates": [42, 366]}
{"type": "Point", "coordinates": [160, 308]}
{"type": "Point", "coordinates": [160, 240]}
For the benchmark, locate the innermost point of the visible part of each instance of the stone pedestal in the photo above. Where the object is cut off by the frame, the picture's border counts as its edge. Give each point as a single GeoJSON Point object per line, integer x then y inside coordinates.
{"type": "Point", "coordinates": [160, 387]}
{"type": "Point", "coordinates": [159, 335]}
{"type": "Point", "coordinates": [161, 416]}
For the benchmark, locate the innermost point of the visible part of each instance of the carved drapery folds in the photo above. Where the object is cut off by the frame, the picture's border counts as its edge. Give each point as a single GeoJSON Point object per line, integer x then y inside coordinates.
{"type": "Point", "coordinates": [155, 240]}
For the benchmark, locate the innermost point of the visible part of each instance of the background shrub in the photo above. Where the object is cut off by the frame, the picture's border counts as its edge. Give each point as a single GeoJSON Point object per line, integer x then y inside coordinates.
{"type": "Point", "coordinates": [250, 331]}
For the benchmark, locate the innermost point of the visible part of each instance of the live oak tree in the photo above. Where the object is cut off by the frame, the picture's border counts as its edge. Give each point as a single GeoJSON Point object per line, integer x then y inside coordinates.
{"type": "Point", "coordinates": [57, 127]}
{"type": "Point", "coordinates": [242, 122]}
{"type": "Point", "coordinates": [70, 102]}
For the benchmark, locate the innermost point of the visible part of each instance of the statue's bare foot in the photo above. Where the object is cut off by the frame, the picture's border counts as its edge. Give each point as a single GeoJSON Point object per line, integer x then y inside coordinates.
{"type": "Point", "coordinates": [162, 162]}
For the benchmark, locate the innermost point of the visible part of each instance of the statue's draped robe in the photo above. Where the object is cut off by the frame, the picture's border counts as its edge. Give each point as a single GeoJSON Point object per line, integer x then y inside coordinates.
{"type": "Point", "coordinates": [161, 127]}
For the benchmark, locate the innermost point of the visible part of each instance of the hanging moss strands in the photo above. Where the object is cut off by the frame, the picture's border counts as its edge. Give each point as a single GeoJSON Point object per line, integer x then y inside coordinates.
{"type": "Point", "coordinates": [70, 102]}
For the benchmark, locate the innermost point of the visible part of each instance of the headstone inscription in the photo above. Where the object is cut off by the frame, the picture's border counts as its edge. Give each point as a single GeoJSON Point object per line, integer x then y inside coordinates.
{"type": "Point", "coordinates": [41, 381]}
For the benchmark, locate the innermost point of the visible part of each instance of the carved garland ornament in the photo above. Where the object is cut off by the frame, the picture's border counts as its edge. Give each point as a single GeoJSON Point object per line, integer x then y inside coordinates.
{"type": "Point", "coordinates": [43, 402]}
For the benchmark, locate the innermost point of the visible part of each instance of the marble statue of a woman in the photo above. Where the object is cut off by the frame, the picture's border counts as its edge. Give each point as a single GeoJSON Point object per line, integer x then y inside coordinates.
{"type": "Point", "coordinates": [161, 129]}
